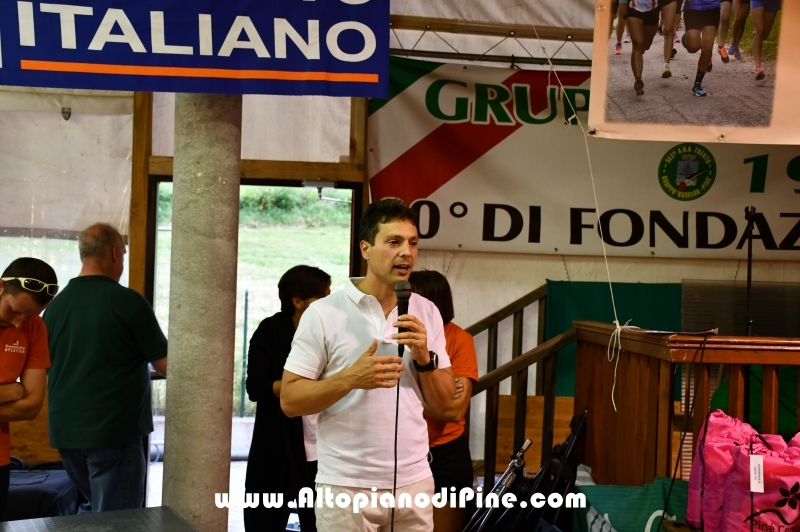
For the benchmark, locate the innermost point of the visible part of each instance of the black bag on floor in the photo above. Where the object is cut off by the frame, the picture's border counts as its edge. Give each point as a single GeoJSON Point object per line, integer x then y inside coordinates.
{"type": "Point", "coordinates": [557, 475]}
{"type": "Point", "coordinates": [44, 490]}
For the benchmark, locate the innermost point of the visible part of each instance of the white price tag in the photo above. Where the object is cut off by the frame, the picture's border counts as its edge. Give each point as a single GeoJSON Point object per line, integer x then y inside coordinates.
{"type": "Point", "coordinates": [756, 473]}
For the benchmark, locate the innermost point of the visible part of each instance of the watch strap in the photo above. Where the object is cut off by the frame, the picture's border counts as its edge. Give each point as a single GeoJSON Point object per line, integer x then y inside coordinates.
{"type": "Point", "coordinates": [430, 366]}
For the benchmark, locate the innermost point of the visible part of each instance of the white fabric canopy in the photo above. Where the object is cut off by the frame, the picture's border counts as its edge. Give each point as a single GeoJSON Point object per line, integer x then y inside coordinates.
{"type": "Point", "coordinates": [64, 175]}
{"type": "Point", "coordinates": [54, 100]}
{"type": "Point", "coordinates": [274, 128]}
{"type": "Point", "coordinates": [554, 13]}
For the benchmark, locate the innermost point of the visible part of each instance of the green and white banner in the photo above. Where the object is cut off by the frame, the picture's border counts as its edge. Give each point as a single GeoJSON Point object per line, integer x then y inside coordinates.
{"type": "Point", "coordinates": [495, 160]}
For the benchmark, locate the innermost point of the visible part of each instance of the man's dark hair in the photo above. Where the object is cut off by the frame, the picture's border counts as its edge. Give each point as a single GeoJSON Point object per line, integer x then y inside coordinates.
{"type": "Point", "coordinates": [382, 212]}
{"type": "Point", "coordinates": [304, 282]}
{"type": "Point", "coordinates": [434, 286]}
{"type": "Point", "coordinates": [34, 269]}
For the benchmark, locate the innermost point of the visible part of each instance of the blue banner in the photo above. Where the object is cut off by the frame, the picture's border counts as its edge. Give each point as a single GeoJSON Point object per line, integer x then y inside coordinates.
{"type": "Point", "coordinates": [322, 47]}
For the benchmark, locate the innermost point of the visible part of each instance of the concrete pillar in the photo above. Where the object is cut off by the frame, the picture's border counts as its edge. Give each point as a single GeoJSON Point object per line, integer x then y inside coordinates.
{"type": "Point", "coordinates": [202, 306]}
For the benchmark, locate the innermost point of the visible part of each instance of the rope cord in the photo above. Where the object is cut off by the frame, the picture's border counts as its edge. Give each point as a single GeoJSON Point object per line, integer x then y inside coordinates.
{"type": "Point", "coordinates": [614, 344]}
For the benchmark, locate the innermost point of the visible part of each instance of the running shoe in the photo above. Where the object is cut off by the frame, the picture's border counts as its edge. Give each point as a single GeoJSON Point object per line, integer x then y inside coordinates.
{"type": "Point", "coordinates": [627, 38]}
{"type": "Point", "coordinates": [734, 51]}
{"type": "Point", "coordinates": [674, 53]}
{"type": "Point", "coordinates": [638, 86]}
{"type": "Point", "coordinates": [723, 54]}
{"type": "Point", "coordinates": [698, 90]}
{"type": "Point", "coordinates": [759, 73]}
{"type": "Point", "coordinates": [666, 73]}
{"type": "Point", "coordinates": [618, 48]}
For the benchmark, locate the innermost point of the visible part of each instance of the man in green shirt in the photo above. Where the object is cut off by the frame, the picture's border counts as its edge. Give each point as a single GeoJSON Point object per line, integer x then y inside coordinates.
{"type": "Point", "coordinates": [102, 337]}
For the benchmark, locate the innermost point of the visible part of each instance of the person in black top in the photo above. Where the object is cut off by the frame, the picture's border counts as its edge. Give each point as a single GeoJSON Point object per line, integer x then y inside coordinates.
{"type": "Point", "coordinates": [278, 462]}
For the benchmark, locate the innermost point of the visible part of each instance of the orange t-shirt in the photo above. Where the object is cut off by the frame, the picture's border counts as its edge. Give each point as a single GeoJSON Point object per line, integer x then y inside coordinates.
{"type": "Point", "coordinates": [20, 349]}
{"type": "Point", "coordinates": [464, 363]}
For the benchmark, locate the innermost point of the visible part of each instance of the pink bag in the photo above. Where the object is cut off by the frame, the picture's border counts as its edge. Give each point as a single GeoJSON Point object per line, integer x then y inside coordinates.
{"type": "Point", "coordinates": [793, 449]}
{"type": "Point", "coordinates": [778, 508]}
{"type": "Point", "coordinates": [712, 463]}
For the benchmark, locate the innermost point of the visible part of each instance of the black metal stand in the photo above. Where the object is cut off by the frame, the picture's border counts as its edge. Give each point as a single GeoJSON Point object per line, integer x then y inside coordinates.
{"type": "Point", "coordinates": [750, 216]}
{"type": "Point", "coordinates": [557, 475]}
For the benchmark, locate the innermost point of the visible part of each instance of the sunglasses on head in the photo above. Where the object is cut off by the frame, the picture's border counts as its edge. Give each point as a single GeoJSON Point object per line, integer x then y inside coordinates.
{"type": "Point", "coordinates": [34, 285]}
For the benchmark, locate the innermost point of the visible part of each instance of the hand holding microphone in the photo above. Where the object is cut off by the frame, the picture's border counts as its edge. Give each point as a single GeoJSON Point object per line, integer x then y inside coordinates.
{"type": "Point", "coordinates": [410, 331]}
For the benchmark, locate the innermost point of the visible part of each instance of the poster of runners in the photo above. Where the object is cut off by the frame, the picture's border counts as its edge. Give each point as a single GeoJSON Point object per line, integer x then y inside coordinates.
{"type": "Point", "coordinates": [702, 70]}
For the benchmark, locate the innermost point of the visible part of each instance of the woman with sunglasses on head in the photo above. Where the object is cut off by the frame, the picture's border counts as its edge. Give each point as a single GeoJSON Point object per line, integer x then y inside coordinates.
{"type": "Point", "coordinates": [283, 454]}
{"type": "Point", "coordinates": [451, 463]}
{"type": "Point", "coordinates": [26, 288]}
{"type": "Point", "coordinates": [642, 17]}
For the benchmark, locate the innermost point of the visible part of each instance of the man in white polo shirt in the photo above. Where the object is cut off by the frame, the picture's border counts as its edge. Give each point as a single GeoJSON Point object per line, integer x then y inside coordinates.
{"type": "Point", "coordinates": [344, 365]}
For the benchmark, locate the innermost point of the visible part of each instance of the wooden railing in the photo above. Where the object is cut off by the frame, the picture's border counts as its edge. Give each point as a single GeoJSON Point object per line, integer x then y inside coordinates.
{"type": "Point", "coordinates": [629, 432]}
{"type": "Point", "coordinates": [631, 444]}
{"type": "Point", "coordinates": [544, 355]}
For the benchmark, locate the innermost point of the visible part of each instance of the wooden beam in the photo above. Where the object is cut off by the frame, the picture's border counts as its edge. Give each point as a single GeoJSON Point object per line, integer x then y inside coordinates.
{"type": "Point", "coordinates": [358, 160]}
{"type": "Point", "coordinates": [521, 31]}
{"type": "Point", "coordinates": [736, 379]}
{"type": "Point", "coordinates": [142, 148]}
{"type": "Point", "coordinates": [358, 133]}
{"type": "Point", "coordinates": [286, 170]}
{"type": "Point", "coordinates": [769, 400]}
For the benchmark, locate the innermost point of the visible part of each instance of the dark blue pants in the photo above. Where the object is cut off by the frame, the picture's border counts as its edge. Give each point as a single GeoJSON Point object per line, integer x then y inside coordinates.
{"type": "Point", "coordinates": [109, 478]}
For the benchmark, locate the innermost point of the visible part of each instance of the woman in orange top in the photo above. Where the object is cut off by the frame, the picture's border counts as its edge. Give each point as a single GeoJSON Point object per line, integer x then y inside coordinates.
{"type": "Point", "coordinates": [451, 463]}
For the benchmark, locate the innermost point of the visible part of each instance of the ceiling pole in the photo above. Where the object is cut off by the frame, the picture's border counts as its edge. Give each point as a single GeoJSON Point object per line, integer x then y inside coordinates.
{"type": "Point", "coordinates": [140, 160]}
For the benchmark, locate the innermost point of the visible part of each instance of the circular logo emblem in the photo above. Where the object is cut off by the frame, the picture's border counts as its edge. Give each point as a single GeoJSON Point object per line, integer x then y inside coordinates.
{"type": "Point", "coordinates": [687, 171]}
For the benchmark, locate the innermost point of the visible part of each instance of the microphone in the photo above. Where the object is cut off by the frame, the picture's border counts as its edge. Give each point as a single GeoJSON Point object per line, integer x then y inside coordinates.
{"type": "Point", "coordinates": [402, 289]}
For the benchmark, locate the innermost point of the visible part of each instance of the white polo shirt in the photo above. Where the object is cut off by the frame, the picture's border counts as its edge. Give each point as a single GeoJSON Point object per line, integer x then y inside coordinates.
{"type": "Point", "coordinates": [355, 436]}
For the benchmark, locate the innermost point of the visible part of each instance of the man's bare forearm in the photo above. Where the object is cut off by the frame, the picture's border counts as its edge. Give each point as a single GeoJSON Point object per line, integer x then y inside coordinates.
{"type": "Point", "coordinates": [448, 415]}
{"type": "Point", "coordinates": [22, 409]}
{"type": "Point", "coordinates": [438, 388]}
{"type": "Point", "coordinates": [11, 392]}
{"type": "Point", "coordinates": [304, 397]}
{"type": "Point", "coordinates": [455, 413]}
{"type": "Point", "coordinates": [34, 382]}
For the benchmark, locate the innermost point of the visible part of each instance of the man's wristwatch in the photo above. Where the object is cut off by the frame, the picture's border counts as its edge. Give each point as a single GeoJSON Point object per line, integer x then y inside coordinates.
{"type": "Point", "coordinates": [430, 366]}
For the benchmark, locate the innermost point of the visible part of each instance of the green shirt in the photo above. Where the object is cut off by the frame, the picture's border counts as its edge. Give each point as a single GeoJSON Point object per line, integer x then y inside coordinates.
{"type": "Point", "coordinates": [101, 336]}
